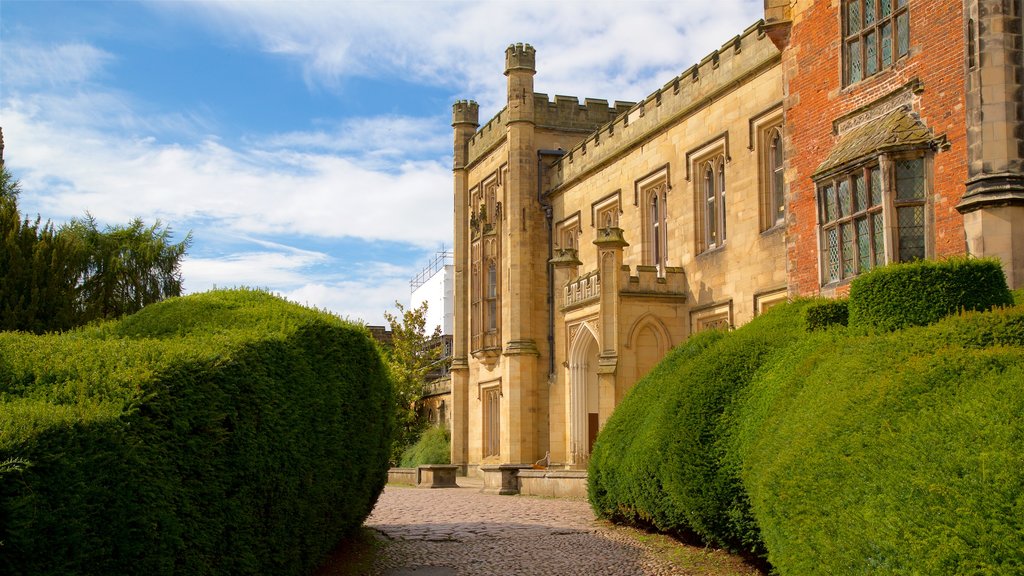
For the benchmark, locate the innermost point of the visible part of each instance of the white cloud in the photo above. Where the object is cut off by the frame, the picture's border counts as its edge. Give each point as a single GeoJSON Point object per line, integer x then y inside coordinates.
{"type": "Point", "coordinates": [602, 49]}
{"type": "Point", "coordinates": [361, 292]}
{"type": "Point", "coordinates": [66, 171]}
{"type": "Point", "coordinates": [51, 66]}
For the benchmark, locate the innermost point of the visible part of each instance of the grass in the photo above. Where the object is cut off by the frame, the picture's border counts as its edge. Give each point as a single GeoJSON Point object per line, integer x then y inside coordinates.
{"type": "Point", "coordinates": [688, 559]}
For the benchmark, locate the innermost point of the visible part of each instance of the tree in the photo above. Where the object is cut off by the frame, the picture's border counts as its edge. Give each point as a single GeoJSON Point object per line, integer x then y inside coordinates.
{"type": "Point", "coordinates": [411, 355]}
{"type": "Point", "coordinates": [124, 268]}
{"type": "Point", "coordinates": [38, 274]}
{"type": "Point", "coordinates": [54, 279]}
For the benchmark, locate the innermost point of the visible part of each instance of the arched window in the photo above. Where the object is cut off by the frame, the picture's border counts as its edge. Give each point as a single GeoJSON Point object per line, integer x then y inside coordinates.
{"type": "Point", "coordinates": [657, 250]}
{"type": "Point", "coordinates": [712, 231]}
{"type": "Point", "coordinates": [776, 181]}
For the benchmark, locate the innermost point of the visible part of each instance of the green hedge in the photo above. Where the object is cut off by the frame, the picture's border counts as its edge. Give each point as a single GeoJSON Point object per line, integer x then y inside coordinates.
{"type": "Point", "coordinates": [824, 313]}
{"type": "Point", "coordinates": [922, 292]}
{"type": "Point", "coordinates": [433, 447]}
{"type": "Point", "coordinates": [894, 454]}
{"type": "Point", "coordinates": [222, 433]}
{"type": "Point", "coordinates": [662, 460]}
{"type": "Point", "coordinates": [831, 452]}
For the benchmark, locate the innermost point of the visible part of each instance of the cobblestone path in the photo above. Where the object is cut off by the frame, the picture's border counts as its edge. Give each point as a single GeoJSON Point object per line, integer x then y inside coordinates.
{"type": "Point", "coordinates": [460, 531]}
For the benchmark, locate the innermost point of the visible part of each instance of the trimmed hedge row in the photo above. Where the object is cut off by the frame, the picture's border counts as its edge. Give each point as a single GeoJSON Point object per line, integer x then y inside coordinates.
{"type": "Point", "coordinates": [824, 313]}
{"type": "Point", "coordinates": [922, 292]}
{"type": "Point", "coordinates": [893, 454]}
{"type": "Point", "coordinates": [835, 451]}
{"type": "Point", "coordinates": [433, 447]}
{"type": "Point", "coordinates": [222, 433]}
{"type": "Point", "coordinates": [661, 461]}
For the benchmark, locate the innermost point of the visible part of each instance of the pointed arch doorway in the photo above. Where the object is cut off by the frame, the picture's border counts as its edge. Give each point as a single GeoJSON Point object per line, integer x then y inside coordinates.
{"type": "Point", "coordinates": [584, 399]}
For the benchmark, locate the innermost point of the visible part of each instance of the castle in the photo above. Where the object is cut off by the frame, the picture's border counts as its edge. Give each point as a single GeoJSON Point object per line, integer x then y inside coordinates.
{"type": "Point", "coordinates": [825, 140]}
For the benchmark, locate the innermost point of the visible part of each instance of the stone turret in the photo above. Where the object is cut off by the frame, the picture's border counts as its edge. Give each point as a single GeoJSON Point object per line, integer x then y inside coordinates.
{"type": "Point", "coordinates": [465, 120]}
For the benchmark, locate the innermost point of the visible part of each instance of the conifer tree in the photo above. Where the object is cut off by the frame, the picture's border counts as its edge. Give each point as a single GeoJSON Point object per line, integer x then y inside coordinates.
{"type": "Point", "coordinates": [54, 279]}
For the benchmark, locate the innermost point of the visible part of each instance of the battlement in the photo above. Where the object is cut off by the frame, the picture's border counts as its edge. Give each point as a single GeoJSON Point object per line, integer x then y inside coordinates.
{"type": "Point", "coordinates": [520, 57]}
{"type": "Point", "coordinates": [647, 281]}
{"type": "Point", "coordinates": [566, 112]}
{"type": "Point", "coordinates": [466, 112]}
{"type": "Point", "coordinates": [562, 113]}
{"type": "Point", "coordinates": [741, 57]}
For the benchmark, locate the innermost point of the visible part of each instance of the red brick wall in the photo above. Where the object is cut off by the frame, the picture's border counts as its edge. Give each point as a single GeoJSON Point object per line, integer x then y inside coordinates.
{"type": "Point", "coordinates": [815, 98]}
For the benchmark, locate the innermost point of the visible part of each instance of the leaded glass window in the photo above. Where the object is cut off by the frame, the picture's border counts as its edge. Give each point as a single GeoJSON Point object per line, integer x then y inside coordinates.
{"type": "Point", "coordinates": [876, 34]}
{"type": "Point", "coordinates": [854, 212]}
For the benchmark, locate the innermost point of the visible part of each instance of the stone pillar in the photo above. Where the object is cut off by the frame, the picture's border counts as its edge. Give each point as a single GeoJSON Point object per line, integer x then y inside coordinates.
{"type": "Point", "coordinates": [465, 120]}
{"type": "Point", "coordinates": [993, 204]}
{"type": "Point", "coordinates": [524, 299]}
{"type": "Point", "coordinates": [610, 243]}
{"type": "Point", "coordinates": [566, 265]}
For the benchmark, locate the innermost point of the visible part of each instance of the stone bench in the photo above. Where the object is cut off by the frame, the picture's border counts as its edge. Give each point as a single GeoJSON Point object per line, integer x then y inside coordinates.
{"type": "Point", "coordinates": [425, 476]}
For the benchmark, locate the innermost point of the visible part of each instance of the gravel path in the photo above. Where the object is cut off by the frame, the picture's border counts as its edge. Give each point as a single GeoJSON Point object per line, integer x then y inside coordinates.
{"type": "Point", "coordinates": [461, 531]}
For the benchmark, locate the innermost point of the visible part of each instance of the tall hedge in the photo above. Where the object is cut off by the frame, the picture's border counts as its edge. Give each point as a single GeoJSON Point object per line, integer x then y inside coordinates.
{"type": "Point", "coordinates": [900, 453]}
{"type": "Point", "coordinates": [832, 452]}
{"type": "Point", "coordinates": [662, 459]}
{"type": "Point", "coordinates": [923, 292]}
{"type": "Point", "coordinates": [222, 433]}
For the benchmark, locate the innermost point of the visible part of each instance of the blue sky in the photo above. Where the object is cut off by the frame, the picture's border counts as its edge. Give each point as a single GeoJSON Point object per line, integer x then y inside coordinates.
{"type": "Point", "coordinates": [306, 145]}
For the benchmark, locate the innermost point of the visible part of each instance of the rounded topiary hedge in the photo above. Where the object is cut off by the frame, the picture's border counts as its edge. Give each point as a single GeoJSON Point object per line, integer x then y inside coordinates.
{"type": "Point", "coordinates": [897, 453]}
{"type": "Point", "coordinates": [832, 452]}
{"type": "Point", "coordinates": [663, 460]}
{"type": "Point", "coordinates": [222, 433]}
{"type": "Point", "coordinates": [922, 292]}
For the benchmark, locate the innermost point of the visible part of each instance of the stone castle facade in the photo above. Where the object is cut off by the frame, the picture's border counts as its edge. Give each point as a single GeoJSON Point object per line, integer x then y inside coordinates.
{"type": "Point", "coordinates": [828, 139]}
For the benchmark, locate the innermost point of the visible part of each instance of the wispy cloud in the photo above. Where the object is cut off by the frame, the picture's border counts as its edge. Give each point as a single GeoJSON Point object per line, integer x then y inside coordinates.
{"type": "Point", "coordinates": [600, 49]}
{"type": "Point", "coordinates": [29, 65]}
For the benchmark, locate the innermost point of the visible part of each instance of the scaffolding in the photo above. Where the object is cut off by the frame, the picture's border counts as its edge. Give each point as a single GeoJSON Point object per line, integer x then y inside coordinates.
{"type": "Point", "coordinates": [441, 259]}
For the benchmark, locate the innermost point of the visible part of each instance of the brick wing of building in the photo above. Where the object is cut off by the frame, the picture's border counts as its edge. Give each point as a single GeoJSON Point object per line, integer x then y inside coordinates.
{"type": "Point", "coordinates": [829, 139]}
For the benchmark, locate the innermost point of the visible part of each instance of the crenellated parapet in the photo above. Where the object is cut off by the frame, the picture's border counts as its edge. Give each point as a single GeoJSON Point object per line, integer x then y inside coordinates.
{"type": "Point", "coordinates": [647, 282]}
{"type": "Point", "coordinates": [562, 113]}
{"type": "Point", "coordinates": [520, 57]}
{"type": "Point", "coordinates": [566, 112]}
{"type": "Point", "coordinates": [466, 112]}
{"type": "Point", "coordinates": [721, 71]}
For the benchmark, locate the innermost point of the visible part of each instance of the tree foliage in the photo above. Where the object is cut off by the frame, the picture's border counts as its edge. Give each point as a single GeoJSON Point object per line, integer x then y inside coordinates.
{"type": "Point", "coordinates": [52, 279]}
{"type": "Point", "coordinates": [412, 354]}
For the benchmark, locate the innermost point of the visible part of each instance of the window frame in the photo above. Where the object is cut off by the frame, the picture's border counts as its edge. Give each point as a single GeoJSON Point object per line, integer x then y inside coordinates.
{"type": "Point", "coordinates": [652, 199]}
{"type": "Point", "coordinates": [871, 34]}
{"type": "Point", "coordinates": [839, 226]}
{"type": "Point", "coordinates": [712, 208]}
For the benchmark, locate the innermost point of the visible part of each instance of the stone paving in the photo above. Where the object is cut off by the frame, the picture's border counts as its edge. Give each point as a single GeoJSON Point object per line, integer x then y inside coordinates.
{"type": "Point", "coordinates": [461, 531]}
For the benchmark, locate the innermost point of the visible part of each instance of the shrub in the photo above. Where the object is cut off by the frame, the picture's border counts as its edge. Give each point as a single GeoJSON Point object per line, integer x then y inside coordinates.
{"type": "Point", "coordinates": [222, 433]}
{"type": "Point", "coordinates": [433, 447]}
{"type": "Point", "coordinates": [920, 293]}
{"type": "Point", "coordinates": [822, 314]}
{"type": "Point", "coordinates": [891, 454]}
{"type": "Point", "coordinates": [662, 459]}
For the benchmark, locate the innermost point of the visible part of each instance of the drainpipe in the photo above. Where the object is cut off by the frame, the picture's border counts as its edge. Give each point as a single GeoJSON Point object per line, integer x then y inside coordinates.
{"type": "Point", "coordinates": [551, 233]}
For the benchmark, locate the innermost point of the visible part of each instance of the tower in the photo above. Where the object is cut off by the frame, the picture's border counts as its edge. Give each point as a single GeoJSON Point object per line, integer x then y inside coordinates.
{"type": "Point", "coordinates": [465, 119]}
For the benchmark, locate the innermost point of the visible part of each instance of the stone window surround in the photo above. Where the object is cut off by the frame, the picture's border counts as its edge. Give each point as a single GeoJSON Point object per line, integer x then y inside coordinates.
{"type": "Point", "coordinates": [763, 301]}
{"type": "Point", "coordinates": [651, 196]}
{"type": "Point", "coordinates": [567, 232]}
{"type": "Point", "coordinates": [711, 317]}
{"type": "Point", "coordinates": [761, 129]}
{"type": "Point", "coordinates": [714, 150]}
{"type": "Point", "coordinates": [610, 205]}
